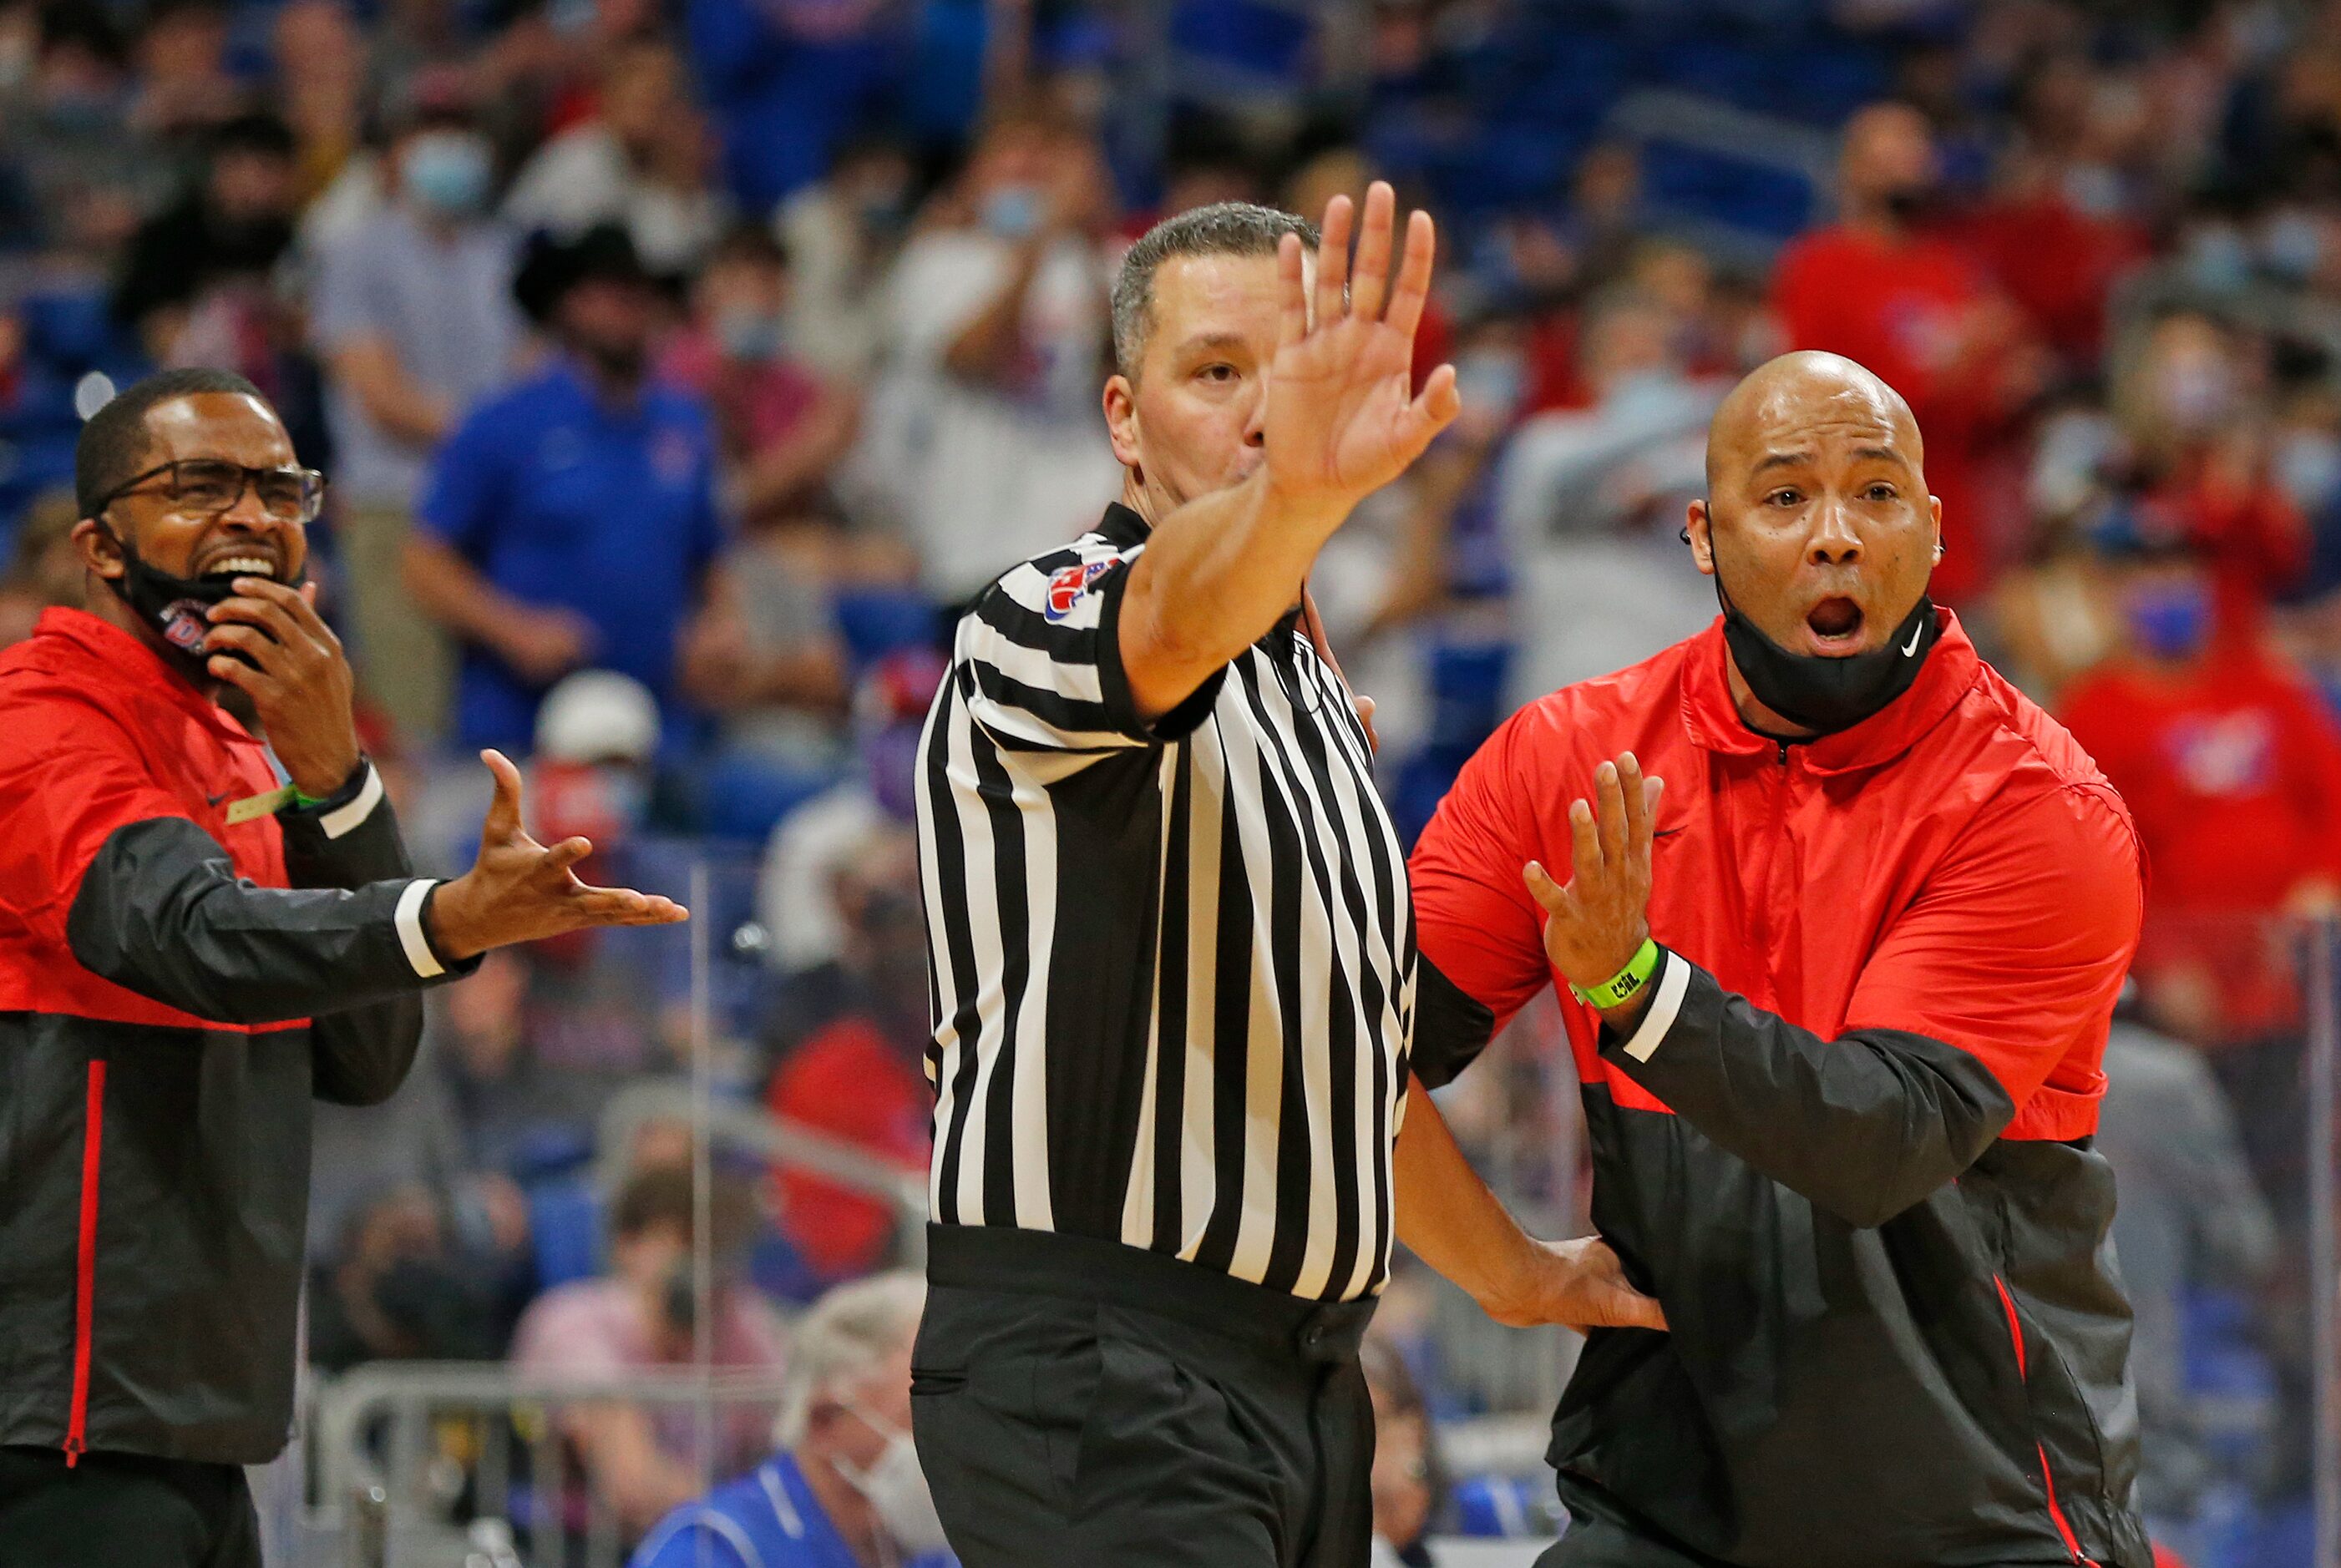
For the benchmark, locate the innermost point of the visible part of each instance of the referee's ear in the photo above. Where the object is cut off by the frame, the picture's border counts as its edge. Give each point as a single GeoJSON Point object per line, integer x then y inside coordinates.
{"type": "Point", "coordinates": [1122, 422]}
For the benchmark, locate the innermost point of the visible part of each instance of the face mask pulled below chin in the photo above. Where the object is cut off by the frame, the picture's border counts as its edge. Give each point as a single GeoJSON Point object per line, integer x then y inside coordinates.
{"type": "Point", "coordinates": [175, 607]}
{"type": "Point", "coordinates": [1819, 693]}
{"type": "Point", "coordinates": [897, 1490]}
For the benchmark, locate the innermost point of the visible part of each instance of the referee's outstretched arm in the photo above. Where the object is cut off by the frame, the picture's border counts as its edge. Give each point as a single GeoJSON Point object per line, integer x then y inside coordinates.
{"type": "Point", "coordinates": [1335, 423]}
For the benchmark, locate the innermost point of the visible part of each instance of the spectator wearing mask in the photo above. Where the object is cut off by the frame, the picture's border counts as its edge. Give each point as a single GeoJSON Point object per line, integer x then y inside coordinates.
{"type": "Point", "coordinates": [844, 1490]}
{"type": "Point", "coordinates": [1878, 287]}
{"type": "Point", "coordinates": [2231, 767]}
{"type": "Point", "coordinates": [784, 425]}
{"type": "Point", "coordinates": [414, 320]}
{"type": "Point", "coordinates": [641, 1317]}
{"type": "Point", "coordinates": [2195, 451]}
{"type": "Point", "coordinates": [999, 321]}
{"type": "Point", "coordinates": [860, 1074]}
{"type": "Point", "coordinates": [635, 164]}
{"type": "Point", "coordinates": [212, 250]}
{"type": "Point", "coordinates": [571, 520]}
{"type": "Point", "coordinates": [1588, 501]}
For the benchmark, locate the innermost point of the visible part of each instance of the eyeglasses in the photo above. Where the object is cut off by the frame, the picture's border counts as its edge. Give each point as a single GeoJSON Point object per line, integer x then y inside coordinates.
{"type": "Point", "coordinates": [208, 486]}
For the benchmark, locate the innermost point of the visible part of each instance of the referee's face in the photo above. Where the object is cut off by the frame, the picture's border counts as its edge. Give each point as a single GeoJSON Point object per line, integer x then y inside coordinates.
{"type": "Point", "coordinates": [1190, 421]}
{"type": "Point", "coordinates": [1817, 518]}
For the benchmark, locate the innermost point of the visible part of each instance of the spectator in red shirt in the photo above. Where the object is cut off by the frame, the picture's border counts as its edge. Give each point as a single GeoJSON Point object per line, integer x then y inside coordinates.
{"type": "Point", "coordinates": [1879, 288]}
{"type": "Point", "coordinates": [2195, 423]}
{"type": "Point", "coordinates": [859, 1074]}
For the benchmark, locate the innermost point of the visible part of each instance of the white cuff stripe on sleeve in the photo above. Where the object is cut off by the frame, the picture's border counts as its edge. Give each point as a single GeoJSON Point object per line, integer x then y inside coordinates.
{"type": "Point", "coordinates": [342, 819]}
{"type": "Point", "coordinates": [1672, 984]}
{"type": "Point", "coordinates": [409, 921]}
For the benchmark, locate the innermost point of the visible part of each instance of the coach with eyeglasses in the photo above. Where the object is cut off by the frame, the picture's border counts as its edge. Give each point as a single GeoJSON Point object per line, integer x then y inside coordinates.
{"type": "Point", "coordinates": [206, 920]}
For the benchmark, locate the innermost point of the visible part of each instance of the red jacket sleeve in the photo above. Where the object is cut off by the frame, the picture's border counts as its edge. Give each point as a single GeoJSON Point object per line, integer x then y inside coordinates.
{"type": "Point", "coordinates": [2015, 950]}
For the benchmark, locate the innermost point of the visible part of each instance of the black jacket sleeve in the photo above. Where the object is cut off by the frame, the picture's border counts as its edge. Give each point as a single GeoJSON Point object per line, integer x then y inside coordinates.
{"type": "Point", "coordinates": [160, 911]}
{"type": "Point", "coordinates": [1864, 1125]}
{"type": "Point", "coordinates": [1451, 1026]}
{"type": "Point", "coordinates": [359, 1054]}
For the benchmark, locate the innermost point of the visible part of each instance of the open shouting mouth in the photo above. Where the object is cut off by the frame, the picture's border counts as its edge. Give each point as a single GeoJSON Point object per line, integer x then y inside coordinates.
{"type": "Point", "coordinates": [1834, 624]}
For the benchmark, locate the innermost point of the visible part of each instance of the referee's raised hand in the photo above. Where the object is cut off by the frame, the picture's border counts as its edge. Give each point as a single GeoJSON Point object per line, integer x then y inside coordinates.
{"type": "Point", "coordinates": [520, 890]}
{"type": "Point", "coordinates": [1342, 418]}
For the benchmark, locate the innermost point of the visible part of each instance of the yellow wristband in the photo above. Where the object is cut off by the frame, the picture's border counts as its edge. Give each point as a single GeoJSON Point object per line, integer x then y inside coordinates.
{"type": "Point", "coordinates": [1623, 985]}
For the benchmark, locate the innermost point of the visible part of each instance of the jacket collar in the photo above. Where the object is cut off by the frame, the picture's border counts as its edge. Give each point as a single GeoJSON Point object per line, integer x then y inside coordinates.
{"type": "Point", "coordinates": [1713, 720]}
{"type": "Point", "coordinates": [120, 661]}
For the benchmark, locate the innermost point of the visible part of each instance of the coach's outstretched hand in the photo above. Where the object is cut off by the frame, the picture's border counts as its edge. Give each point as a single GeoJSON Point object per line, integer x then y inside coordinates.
{"type": "Point", "coordinates": [1342, 418]}
{"type": "Point", "coordinates": [519, 891]}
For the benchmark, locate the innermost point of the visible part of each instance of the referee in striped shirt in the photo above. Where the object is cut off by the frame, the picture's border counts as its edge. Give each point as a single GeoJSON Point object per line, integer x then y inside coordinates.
{"type": "Point", "coordinates": [1176, 998]}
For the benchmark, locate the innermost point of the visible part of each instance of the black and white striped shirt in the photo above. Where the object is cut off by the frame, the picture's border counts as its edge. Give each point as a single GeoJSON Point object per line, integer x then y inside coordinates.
{"type": "Point", "coordinates": [1172, 966]}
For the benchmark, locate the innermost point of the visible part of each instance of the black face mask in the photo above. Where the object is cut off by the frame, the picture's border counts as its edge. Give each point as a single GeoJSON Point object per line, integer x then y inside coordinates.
{"type": "Point", "coordinates": [1910, 203]}
{"type": "Point", "coordinates": [1822, 694]}
{"type": "Point", "coordinates": [175, 607]}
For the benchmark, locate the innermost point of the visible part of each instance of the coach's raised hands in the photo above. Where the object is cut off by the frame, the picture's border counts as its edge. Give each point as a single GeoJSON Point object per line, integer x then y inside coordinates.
{"type": "Point", "coordinates": [1342, 417]}
{"type": "Point", "coordinates": [1595, 926]}
{"type": "Point", "coordinates": [520, 890]}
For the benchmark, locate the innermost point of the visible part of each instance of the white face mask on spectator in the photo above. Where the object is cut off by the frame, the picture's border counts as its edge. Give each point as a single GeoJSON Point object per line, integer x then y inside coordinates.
{"type": "Point", "coordinates": [897, 1490]}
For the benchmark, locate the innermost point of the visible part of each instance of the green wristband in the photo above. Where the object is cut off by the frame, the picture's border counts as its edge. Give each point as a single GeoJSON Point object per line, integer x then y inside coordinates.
{"type": "Point", "coordinates": [1625, 984]}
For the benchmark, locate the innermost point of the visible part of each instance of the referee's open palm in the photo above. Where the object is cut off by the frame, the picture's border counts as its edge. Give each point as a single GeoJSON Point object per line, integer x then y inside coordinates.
{"type": "Point", "coordinates": [1342, 419]}
{"type": "Point", "coordinates": [520, 890]}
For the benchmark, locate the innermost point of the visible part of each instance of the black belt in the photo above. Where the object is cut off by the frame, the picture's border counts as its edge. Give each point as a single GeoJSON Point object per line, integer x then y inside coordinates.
{"type": "Point", "coordinates": [1082, 1268]}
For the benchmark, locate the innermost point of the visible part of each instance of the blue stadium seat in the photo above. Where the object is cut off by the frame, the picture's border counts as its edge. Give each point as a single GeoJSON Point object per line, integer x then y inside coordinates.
{"type": "Point", "coordinates": [564, 1230]}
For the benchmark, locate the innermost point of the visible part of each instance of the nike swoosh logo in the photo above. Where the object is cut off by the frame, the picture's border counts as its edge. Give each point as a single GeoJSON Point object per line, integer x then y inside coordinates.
{"type": "Point", "coordinates": [1666, 832]}
{"type": "Point", "coordinates": [1912, 646]}
{"type": "Point", "coordinates": [216, 800]}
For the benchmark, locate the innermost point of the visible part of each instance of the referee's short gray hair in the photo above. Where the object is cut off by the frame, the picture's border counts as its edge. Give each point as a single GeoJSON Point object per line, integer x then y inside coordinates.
{"type": "Point", "coordinates": [1222, 229]}
{"type": "Point", "coordinates": [848, 1333]}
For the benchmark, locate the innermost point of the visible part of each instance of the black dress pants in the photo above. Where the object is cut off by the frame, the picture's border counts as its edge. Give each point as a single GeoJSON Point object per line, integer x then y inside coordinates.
{"type": "Point", "coordinates": [1079, 1404]}
{"type": "Point", "coordinates": [123, 1511]}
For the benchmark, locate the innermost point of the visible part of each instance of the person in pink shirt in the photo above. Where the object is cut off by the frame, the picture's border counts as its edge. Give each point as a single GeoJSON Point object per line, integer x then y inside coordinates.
{"type": "Point", "coordinates": [639, 1317]}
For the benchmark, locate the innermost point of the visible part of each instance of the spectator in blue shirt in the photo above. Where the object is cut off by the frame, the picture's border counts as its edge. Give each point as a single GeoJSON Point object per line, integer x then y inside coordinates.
{"type": "Point", "coordinates": [845, 1489]}
{"type": "Point", "coordinates": [570, 522]}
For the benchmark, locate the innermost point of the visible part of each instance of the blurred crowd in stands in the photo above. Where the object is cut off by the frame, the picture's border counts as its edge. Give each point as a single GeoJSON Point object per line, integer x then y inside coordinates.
{"type": "Point", "coordinates": [680, 366]}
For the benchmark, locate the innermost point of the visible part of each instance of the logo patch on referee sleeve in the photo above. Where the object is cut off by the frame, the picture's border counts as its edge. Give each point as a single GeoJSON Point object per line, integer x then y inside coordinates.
{"type": "Point", "coordinates": [1066, 587]}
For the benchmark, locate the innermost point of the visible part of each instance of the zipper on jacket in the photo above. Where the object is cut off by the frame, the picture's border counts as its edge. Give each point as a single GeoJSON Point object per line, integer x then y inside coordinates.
{"type": "Point", "coordinates": [85, 1265]}
{"type": "Point", "coordinates": [2048, 1481]}
{"type": "Point", "coordinates": [1784, 749]}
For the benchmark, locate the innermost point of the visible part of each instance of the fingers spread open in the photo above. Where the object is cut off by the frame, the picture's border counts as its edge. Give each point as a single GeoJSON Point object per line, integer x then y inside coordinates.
{"type": "Point", "coordinates": [1333, 263]}
{"type": "Point", "coordinates": [1610, 804]}
{"type": "Point", "coordinates": [1413, 286]}
{"type": "Point", "coordinates": [1292, 291]}
{"type": "Point", "coordinates": [1541, 887]}
{"type": "Point", "coordinates": [1637, 800]}
{"type": "Point", "coordinates": [503, 811]}
{"type": "Point", "coordinates": [1370, 285]}
{"type": "Point", "coordinates": [1584, 842]}
{"type": "Point", "coordinates": [1433, 411]}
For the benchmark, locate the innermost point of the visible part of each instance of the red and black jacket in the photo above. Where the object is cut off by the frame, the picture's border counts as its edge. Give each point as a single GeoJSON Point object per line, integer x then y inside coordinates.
{"type": "Point", "coordinates": [1849, 1146]}
{"type": "Point", "coordinates": [184, 964]}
